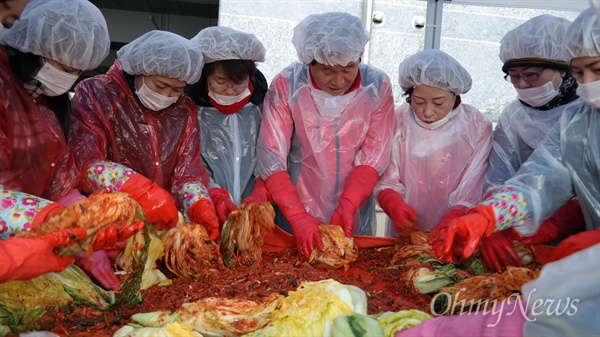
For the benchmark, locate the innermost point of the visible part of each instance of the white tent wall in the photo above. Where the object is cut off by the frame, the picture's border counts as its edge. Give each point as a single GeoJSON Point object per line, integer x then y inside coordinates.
{"type": "Point", "coordinates": [559, 5]}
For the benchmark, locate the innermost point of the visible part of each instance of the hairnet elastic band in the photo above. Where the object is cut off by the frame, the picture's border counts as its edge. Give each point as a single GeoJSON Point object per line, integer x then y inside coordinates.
{"type": "Point", "coordinates": [535, 62]}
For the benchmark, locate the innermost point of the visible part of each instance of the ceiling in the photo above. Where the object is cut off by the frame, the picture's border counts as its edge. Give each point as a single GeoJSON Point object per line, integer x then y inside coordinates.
{"type": "Point", "coordinates": [195, 8]}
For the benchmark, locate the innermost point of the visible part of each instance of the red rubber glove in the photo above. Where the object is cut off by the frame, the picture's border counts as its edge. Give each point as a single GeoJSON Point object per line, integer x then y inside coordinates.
{"type": "Point", "coordinates": [566, 221]}
{"type": "Point", "coordinates": [454, 212]}
{"type": "Point", "coordinates": [403, 216]}
{"type": "Point", "coordinates": [575, 243]}
{"type": "Point", "coordinates": [24, 258]}
{"type": "Point", "coordinates": [304, 226]}
{"type": "Point", "coordinates": [157, 203]}
{"type": "Point", "coordinates": [358, 188]}
{"type": "Point", "coordinates": [203, 212]}
{"type": "Point", "coordinates": [108, 237]}
{"type": "Point", "coordinates": [222, 202]}
{"type": "Point", "coordinates": [462, 235]}
{"type": "Point", "coordinates": [259, 193]}
{"type": "Point", "coordinates": [497, 251]}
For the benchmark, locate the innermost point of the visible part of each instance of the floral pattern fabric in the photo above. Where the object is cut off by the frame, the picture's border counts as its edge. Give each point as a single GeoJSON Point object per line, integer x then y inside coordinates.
{"type": "Point", "coordinates": [108, 175]}
{"type": "Point", "coordinates": [17, 210]}
{"type": "Point", "coordinates": [190, 193]}
{"type": "Point", "coordinates": [509, 206]}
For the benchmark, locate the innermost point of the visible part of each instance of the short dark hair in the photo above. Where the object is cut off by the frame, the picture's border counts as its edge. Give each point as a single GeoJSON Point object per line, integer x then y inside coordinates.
{"type": "Point", "coordinates": [235, 70]}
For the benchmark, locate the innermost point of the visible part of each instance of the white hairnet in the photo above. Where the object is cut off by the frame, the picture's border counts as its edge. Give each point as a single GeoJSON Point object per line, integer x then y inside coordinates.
{"type": "Point", "coordinates": [537, 41]}
{"type": "Point", "coordinates": [72, 32]}
{"type": "Point", "coordinates": [223, 43]}
{"type": "Point", "coordinates": [434, 68]}
{"type": "Point", "coordinates": [331, 38]}
{"type": "Point", "coordinates": [162, 53]}
{"type": "Point", "coordinates": [583, 37]}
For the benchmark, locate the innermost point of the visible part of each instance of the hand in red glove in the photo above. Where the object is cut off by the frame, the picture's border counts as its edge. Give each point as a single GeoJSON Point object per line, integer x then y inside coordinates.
{"type": "Point", "coordinates": [223, 203]}
{"type": "Point", "coordinates": [157, 203]}
{"type": "Point", "coordinates": [575, 243]}
{"type": "Point", "coordinates": [566, 221]}
{"type": "Point", "coordinates": [404, 217]}
{"type": "Point", "coordinates": [203, 212]}
{"type": "Point", "coordinates": [98, 267]}
{"type": "Point", "coordinates": [358, 188]}
{"type": "Point", "coordinates": [454, 212]}
{"type": "Point", "coordinates": [259, 193]}
{"type": "Point", "coordinates": [109, 236]}
{"type": "Point", "coordinates": [497, 251]}
{"type": "Point", "coordinates": [462, 235]}
{"type": "Point", "coordinates": [24, 258]}
{"type": "Point", "coordinates": [304, 226]}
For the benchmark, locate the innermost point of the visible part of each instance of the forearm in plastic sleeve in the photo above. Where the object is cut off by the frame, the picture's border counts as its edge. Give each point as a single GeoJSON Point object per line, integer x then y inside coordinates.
{"type": "Point", "coordinates": [375, 149]}
{"type": "Point", "coordinates": [276, 130]}
{"type": "Point", "coordinates": [18, 210]}
{"type": "Point", "coordinates": [107, 175]}
{"type": "Point", "coordinates": [192, 192]}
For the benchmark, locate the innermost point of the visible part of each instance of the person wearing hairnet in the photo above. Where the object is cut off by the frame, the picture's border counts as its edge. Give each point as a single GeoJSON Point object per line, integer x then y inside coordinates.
{"type": "Point", "coordinates": [534, 63]}
{"type": "Point", "coordinates": [229, 99]}
{"type": "Point", "coordinates": [135, 131]}
{"type": "Point", "coordinates": [10, 11]}
{"type": "Point", "coordinates": [326, 130]}
{"type": "Point", "coordinates": [433, 172]}
{"type": "Point", "coordinates": [41, 57]}
{"type": "Point", "coordinates": [564, 300]}
{"type": "Point", "coordinates": [565, 165]}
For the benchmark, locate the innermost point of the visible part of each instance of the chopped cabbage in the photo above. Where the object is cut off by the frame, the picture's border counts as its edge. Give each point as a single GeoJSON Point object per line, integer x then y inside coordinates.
{"type": "Point", "coordinates": [392, 322]}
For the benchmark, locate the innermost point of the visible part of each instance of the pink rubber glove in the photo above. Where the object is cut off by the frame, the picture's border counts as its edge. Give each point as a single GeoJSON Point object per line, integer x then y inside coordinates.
{"type": "Point", "coordinates": [566, 221]}
{"type": "Point", "coordinates": [404, 217]}
{"type": "Point", "coordinates": [157, 203]}
{"type": "Point", "coordinates": [71, 197]}
{"type": "Point", "coordinates": [504, 321]}
{"type": "Point", "coordinates": [497, 251]}
{"type": "Point", "coordinates": [454, 212]}
{"type": "Point", "coordinates": [223, 203]}
{"type": "Point", "coordinates": [358, 188]}
{"type": "Point", "coordinates": [98, 267]}
{"type": "Point", "coordinates": [462, 235]}
{"type": "Point", "coordinates": [259, 193]}
{"type": "Point", "coordinates": [24, 258]}
{"type": "Point", "coordinates": [304, 226]}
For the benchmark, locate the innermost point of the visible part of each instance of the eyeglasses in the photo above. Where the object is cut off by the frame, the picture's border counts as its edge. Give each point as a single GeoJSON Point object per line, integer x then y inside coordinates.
{"type": "Point", "coordinates": [527, 77]}
{"type": "Point", "coordinates": [223, 87]}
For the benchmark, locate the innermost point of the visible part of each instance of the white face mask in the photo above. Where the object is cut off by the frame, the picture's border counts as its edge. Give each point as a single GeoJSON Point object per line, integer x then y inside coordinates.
{"type": "Point", "coordinates": [153, 100]}
{"type": "Point", "coordinates": [225, 100]}
{"type": "Point", "coordinates": [55, 81]}
{"type": "Point", "coordinates": [538, 96]}
{"type": "Point", "coordinates": [590, 93]}
{"type": "Point", "coordinates": [331, 106]}
{"type": "Point", "coordinates": [438, 123]}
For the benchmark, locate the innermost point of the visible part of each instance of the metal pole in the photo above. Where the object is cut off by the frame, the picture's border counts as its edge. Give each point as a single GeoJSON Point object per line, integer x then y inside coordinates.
{"type": "Point", "coordinates": [367, 20]}
{"type": "Point", "coordinates": [433, 25]}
